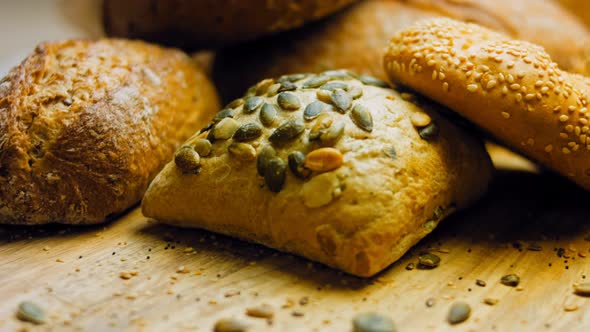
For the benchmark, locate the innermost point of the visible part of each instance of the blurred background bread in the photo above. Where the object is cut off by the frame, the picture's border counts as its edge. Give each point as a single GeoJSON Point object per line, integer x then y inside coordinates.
{"type": "Point", "coordinates": [85, 126]}
{"type": "Point", "coordinates": [354, 38]}
{"type": "Point", "coordinates": [580, 8]}
{"type": "Point", "coordinates": [210, 23]}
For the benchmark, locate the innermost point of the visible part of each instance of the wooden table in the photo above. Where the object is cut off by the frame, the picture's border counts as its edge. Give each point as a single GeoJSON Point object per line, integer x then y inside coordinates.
{"type": "Point", "coordinates": [188, 279]}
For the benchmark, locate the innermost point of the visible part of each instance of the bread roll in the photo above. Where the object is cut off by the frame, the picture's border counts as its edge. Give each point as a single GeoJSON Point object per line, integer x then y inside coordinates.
{"type": "Point", "coordinates": [332, 168]}
{"type": "Point", "coordinates": [580, 8]}
{"type": "Point", "coordinates": [510, 88]}
{"type": "Point", "coordinates": [85, 126]}
{"type": "Point", "coordinates": [354, 38]}
{"type": "Point", "coordinates": [210, 23]}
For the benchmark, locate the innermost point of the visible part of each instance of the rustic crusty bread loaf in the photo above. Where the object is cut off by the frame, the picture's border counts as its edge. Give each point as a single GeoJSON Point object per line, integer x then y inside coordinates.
{"type": "Point", "coordinates": [510, 88]}
{"type": "Point", "coordinates": [210, 23]}
{"type": "Point", "coordinates": [85, 126]}
{"type": "Point", "coordinates": [331, 168]}
{"type": "Point", "coordinates": [354, 38]}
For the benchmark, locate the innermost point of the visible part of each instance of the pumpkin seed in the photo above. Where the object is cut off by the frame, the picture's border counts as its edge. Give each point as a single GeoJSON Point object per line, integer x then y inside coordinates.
{"type": "Point", "coordinates": [242, 151]}
{"type": "Point", "coordinates": [511, 280]}
{"type": "Point", "coordinates": [224, 113]}
{"type": "Point", "coordinates": [274, 174]}
{"type": "Point", "coordinates": [235, 103]}
{"type": "Point", "coordinates": [262, 86]}
{"type": "Point", "coordinates": [459, 312]}
{"type": "Point", "coordinates": [267, 153]}
{"type": "Point", "coordinates": [323, 160]}
{"type": "Point", "coordinates": [370, 80]}
{"type": "Point", "coordinates": [341, 100]}
{"type": "Point", "coordinates": [268, 114]}
{"type": "Point", "coordinates": [323, 122]}
{"type": "Point", "coordinates": [332, 134]}
{"type": "Point", "coordinates": [287, 131]}
{"type": "Point", "coordinates": [339, 74]}
{"type": "Point", "coordinates": [390, 152]}
{"type": "Point", "coordinates": [206, 128]}
{"type": "Point", "coordinates": [203, 147]}
{"type": "Point", "coordinates": [252, 103]}
{"type": "Point", "coordinates": [188, 160]}
{"type": "Point", "coordinates": [314, 109]}
{"type": "Point", "coordinates": [315, 82]}
{"type": "Point", "coordinates": [355, 91]}
{"type": "Point", "coordinates": [331, 86]}
{"type": "Point", "coordinates": [295, 160]}
{"type": "Point", "coordinates": [372, 322]}
{"type": "Point", "coordinates": [287, 86]}
{"type": "Point", "coordinates": [230, 325]}
{"type": "Point", "coordinates": [429, 132]}
{"type": "Point", "coordinates": [273, 90]}
{"type": "Point", "coordinates": [361, 116]}
{"type": "Point", "coordinates": [225, 128]}
{"type": "Point", "coordinates": [324, 95]}
{"type": "Point", "coordinates": [428, 261]}
{"type": "Point", "coordinates": [294, 77]}
{"type": "Point", "coordinates": [251, 91]}
{"type": "Point", "coordinates": [248, 132]}
{"type": "Point", "coordinates": [30, 312]}
{"type": "Point", "coordinates": [288, 101]}
{"type": "Point", "coordinates": [582, 289]}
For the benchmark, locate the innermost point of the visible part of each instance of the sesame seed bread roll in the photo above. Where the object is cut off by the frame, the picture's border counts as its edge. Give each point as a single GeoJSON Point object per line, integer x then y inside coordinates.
{"type": "Point", "coordinates": [508, 87]}
{"type": "Point", "coordinates": [210, 23]}
{"type": "Point", "coordinates": [341, 170]}
{"type": "Point", "coordinates": [86, 125]}
{"type": "Point", "coordinates": [354, 38]}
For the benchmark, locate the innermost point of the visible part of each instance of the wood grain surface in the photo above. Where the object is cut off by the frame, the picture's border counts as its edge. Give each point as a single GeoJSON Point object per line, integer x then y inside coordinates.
{"type": "Point", "coordinates": [188, 279]}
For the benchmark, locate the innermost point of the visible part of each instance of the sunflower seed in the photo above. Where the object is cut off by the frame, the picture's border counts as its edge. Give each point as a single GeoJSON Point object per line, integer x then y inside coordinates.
{"type": "Point", "coordinates": [420, 119]}
{"type": "Point", "coordinates": [203, 147]}
{"type": "Point", "coordinates": [511, 280]}
{"type": "Point", "coordinates": [235, 103]}
{"type": "Point", "coordinates": [429, 132]}
{"type": "Point", "coordinates": [268, 114]}
{"type": "Point", "coordinates": [296, 159]}
{"type": "Point", "coordinates": [273, 90]}
{"type": "Point", "coordinates": [224, 113]}
{"type": "Point", "coordinates": [287, 86]}
{"type": "Point", "coordinates": [341, 100]}
{"type": "Point", "coordinates": [230, 325]}
{"type": "Point", "coordinates": [251, 104]}
{"type": "Point", "coordinates": [248, 132]}
{"type": "Point", "coordinates": [261, 311]}
{"type": "Point", "coordinates": [323, 160]}
{"type": "Point", "coordinates": [323, 122]}
{"type": "Point", "coordinates": [355, 91]}
{"type": "Point", "coordinates": [459, 312]}
{"type": "Point", "coordinates": [315, 81]}
{"type": "Point", "coordinates": [428, 261]}
{"type": "Point", "coordinates": [225, 128]}
{"type": "Point", "coordinates": [274, 174]}
{"type": "Point", "coordinates": [262, 86]}
{"type": "Point", "coordinates": [332, 134]}
{"type": "Point", "coordinates": [242, 151]}
{"type": "Point", "coordinates": [288, 101]}
{"type": "Point", "coordinates": [314, 109]}
{"type": "Point", "coordinates": [331, 86]}
{"type": "Point", "coordinates": [30, 312]}
{"type": "Point", "coordinates": [324, 95]}
{"type": "Point", "coordinates": [267, 153]}
{"type": "Point", "coordinates": [372, 322]}
{"type": "Point", "coordinates": [187, 159]}
{"type": "Point", "coordinates": [370, 80]}
{"type": "Point", "coordinates": [287, 131]}
{"type": "Point", "coordinates": [390, 152]}
{"type": "Point", "coordinates": [361, 116]}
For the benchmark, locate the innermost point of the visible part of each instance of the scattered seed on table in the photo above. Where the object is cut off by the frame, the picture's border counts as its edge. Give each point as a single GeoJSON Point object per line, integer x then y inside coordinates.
{"type": "Point", "coordinates": [261, 311]}
{"type": "Point", "coordinates": [428, 261]}
{"type": "Point", "coordinates": [511, 280]}
{"type": "Point", "coordinates": [490, 301]}
{"type": "Point", "coordinates": [480, 283]}
{"type": "Point", "coordinates": [30, 312]}
{"type": "Point", "coordinates": [582, 289]}
{"type": "Point", "coordinates": [304, 300]}
{"type": "Point", "coordinates": [297, 313]}
{"type": "Point", "coordinates": [430, 302]}
{"type": "Point", "coordinates": [230, 325]}
{"type": "Point", "coordinates": [372, 322]}
{"type": "Point", "coordinates": [459, 312]}
{"type": "Point", "coordinates": [410, 266]}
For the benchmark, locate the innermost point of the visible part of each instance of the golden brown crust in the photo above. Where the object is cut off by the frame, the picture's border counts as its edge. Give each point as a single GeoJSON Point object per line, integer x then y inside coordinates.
{"type": "Point", "coordinates": [354, 38]}
{"type": "Point", "coordinates": [210, 23]}
{"type": "Point", "coordinates": [84, 127]}
{"type": "Point", "coordinates": [510, 88]}
{"type": "Point", "coordinates": [382, 188]}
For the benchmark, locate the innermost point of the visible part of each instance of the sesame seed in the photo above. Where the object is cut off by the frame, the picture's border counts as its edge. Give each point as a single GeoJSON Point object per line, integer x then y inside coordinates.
{"type": "Point", "coordinates": [563, 118]}
{"type": "Point", "coordinates": [515, 86]}
{"type": "Point", "coordinates": [472, 87]}
{"type": "Point", "coordinates": [505, 115]}
{"type": "Point", "coordinates": [445, 87]}
{"type": "Point", "coordinates": [549, 148]}
{"type": "Point", "coordinates": [565, 151]}
{"type": "Point", "coordinates": [491, 84]}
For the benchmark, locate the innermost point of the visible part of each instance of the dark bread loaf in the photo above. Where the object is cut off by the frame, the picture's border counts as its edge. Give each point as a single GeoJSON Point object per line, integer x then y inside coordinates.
{"type": "Point", "coordinates": [210, 23]}
{"type": "Point", "coordinates": [85, 126]}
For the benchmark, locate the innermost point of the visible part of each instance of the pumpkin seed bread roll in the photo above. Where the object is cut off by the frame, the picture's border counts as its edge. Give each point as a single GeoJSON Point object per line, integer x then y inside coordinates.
{"type": "Point", "coordinates": [510, 88]}
{"type": "Point", "coordinates": [354, 38]}
{"type": "Point", "coordinates": [342, 170]}
{"type": "Point", "coordinates": [210, 23]}
{"type": "Point", "coordinates": [86, 125]}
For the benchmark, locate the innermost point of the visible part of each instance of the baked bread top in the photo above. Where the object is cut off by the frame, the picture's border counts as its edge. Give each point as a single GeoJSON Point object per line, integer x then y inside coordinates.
{"type": "Point", "coordinates": [510, 88]}
{"type": "Point", "coordinates": [210, 23]}
{"type": "Point", "coordinates": [84, 127]}
{"type": "Point", "coordinates": [339, 169]}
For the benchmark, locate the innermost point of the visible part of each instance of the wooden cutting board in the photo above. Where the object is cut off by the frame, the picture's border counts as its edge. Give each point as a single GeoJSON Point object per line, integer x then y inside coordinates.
{"type": "Point", "coordinates": [531, 224]}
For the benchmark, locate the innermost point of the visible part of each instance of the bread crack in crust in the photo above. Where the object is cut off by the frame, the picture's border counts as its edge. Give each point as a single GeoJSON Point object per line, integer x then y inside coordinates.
{"type": "Point", "coordinates": [510, 88]}
{"type": "Point", "coordinates": [331, 166]}
{"type": "Point", "coordinates": [84, 127]}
